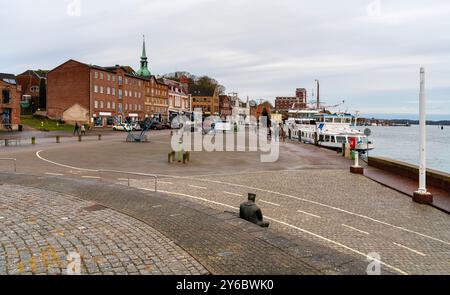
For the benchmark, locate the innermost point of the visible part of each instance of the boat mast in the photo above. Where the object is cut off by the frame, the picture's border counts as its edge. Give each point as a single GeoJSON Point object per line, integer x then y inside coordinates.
{"type": "Point", "coordinates": [318, 94]}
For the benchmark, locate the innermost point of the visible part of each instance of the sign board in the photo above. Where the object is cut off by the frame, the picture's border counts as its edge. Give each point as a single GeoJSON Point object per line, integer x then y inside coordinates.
{"type": "Point", "coordinates": [223, 126]}
{"type": "Point", "coordinates": [276, 118]}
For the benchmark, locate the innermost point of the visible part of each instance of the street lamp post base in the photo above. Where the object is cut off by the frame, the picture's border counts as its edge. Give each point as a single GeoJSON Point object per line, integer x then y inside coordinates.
{"type": "Point", "coordinates": [423, 198]}
{"type": "Point", "coordinates": [357, 170]}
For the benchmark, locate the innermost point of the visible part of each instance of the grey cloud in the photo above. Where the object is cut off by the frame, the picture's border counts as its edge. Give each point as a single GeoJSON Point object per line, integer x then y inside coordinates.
{"type": "Point", "coordinates": [258, 48]}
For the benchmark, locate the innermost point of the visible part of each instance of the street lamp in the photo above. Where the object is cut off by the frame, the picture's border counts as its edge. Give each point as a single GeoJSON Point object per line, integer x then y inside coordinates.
{"type": "Point", "coordinates": [422, 195]}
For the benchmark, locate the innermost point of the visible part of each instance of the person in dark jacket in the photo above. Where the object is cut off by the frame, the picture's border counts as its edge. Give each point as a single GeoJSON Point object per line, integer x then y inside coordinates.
{"type": "Point", "coordinates": [252, 213]}
{"type": "Point", "coordinates": [76, 129]}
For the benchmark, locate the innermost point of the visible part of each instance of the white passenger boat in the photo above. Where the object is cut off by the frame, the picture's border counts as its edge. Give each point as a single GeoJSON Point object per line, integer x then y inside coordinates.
{"type": "Point", "coordinates": [328, 130]}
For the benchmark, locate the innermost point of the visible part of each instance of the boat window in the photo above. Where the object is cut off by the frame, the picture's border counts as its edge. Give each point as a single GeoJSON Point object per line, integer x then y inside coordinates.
{"type": "Point", "coordinates": [341, 139]}
{"type": "Point", "coordinates": [329, 120]}
{"type": "Point", "coordinates": [321, 138]}
{"type": "Point", "coordinates": [333, 138]}
{"type": "Point", "coordinates": [327, 138]}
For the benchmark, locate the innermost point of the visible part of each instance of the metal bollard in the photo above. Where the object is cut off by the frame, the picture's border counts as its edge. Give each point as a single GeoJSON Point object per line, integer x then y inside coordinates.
{"type": "Point", "coordinates": [79, 138]}
{"type": "Point", "coordinates": [99, 137]}
{"type": "Point", "coordinates": [58, 139]}
{"type": "Point", "coordinates": [6, 142]}
{"type": "Point", "coordinates": [33, 140]}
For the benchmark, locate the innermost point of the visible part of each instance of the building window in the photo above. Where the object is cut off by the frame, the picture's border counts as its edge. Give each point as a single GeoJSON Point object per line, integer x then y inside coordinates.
{"type": "Point", "coordinates": [96, 75]}
{"type": "Point", "coordinates": [114, 105]}
{"type": "Point", "coordinates": [120, 93]}
{"type": "Point", "coordinates": [114, 78]}
{"type": "Point", "coordinates": [101, 76]}
{"type": "Point", "coordinates": [126, 93]}
{"type": "Point", "coordinates": [109, 77]}
{"type": "Point", "coordinates": [114, 91]}
{"type": "Point", "coordinates": [135, 107]}
{"type": "Point", "coordinates": [120, 107]}
{"type": "Point", "coordinates": [108, 90]}
{"type": "Point", "coordinates": [126, 107]}
{"type": "Point", "coordinates": [135, 94]}
{"type": "Point", "coordinates": [95, 88]}
{"type": "Point", "coordinates": [96, 104]}
{"type": "Point", "coordinates": [34, 89]}
{"type": "Point", "coordinates": [120, 79]}
{"type": "Point", "coordinates": [108, 105]}
{"type": "Point", "coordinates": [126, 81]}
{"type": "Point", "coordinates": [102, 90]}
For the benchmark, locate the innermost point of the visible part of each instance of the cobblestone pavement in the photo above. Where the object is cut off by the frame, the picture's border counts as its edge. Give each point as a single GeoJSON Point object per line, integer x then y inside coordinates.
{"type": "Point", "coordinates": [39, 228]}
{"type": "Point", "coordinates": [350, 213]}
{"type": "Point", "coordinates": [317, 200]}
{"type": "Point", "coordinates": [220, 241]}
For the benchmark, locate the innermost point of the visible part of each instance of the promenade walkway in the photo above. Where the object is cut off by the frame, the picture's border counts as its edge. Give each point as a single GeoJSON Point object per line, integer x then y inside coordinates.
{"type": "Point", "coordinates": [41, 213]}
{"type": "Point", "coordinates": [407, 186]}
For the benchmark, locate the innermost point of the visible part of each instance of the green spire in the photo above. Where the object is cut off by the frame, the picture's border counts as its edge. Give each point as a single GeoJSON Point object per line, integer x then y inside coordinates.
{"type": "Point", "coordinates": [144, 71]}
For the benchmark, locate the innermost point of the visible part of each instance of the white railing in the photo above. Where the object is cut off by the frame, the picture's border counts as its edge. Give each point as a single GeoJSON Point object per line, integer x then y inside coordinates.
{"type": "Point", "coordinates": [128, 174]}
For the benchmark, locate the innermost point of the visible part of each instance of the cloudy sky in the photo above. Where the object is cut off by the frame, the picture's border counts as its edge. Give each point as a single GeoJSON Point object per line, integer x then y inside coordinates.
{"type": "Point", "coordinates": [365, 52]}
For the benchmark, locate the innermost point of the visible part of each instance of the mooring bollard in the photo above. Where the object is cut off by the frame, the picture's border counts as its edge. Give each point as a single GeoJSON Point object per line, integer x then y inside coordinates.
{"type": "Point", "coordinates": [6, 142]}
{"type": "Point", "coordinates": [79, 138]}
{"type": "Point", "coordinates": [99, 137]}
{"type": "Point", "coordinates": [58, 139]}
{"type": "Point", "coordinates": [33, 140]}
{"type": "Point", "coordinates": [356, 169]}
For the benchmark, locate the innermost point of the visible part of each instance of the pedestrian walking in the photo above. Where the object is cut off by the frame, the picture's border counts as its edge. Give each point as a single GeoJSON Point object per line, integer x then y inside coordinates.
{"type": "Point", "coordinates": [83, 130]}
{"type": "Point", "coordinates": [76, 129]}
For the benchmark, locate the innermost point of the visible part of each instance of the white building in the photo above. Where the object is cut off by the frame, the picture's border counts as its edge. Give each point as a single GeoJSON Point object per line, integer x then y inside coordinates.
{"type": "Point", "coordinates": [179, 100]}
{"type": "Point", "coordinates": [241, 110]}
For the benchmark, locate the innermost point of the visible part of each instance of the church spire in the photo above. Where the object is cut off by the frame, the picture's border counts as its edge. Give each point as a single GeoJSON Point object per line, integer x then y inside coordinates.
{"type": "Point", "coordinates": [144, 54]}
{"type": "Point", "coordinates": [144, 71]}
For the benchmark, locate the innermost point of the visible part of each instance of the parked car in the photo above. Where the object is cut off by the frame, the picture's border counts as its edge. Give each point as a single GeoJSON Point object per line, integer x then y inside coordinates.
{"type": "Point", "coordinates": [136, 126]}
{"type": "Point", "coordinates": [156, 126]}
{"type": "Point", "coordinates": [122, 127]}
{"type": "Point", "coordinates": [166, 126]}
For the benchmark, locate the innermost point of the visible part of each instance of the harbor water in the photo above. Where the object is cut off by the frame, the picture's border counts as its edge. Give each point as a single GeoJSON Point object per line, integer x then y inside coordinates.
{"type": "Point", "coordinates": [402, 143]}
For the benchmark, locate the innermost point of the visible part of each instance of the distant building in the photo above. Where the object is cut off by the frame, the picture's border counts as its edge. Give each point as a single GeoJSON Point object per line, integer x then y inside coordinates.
{"type": "Point", "coordinates": [78, 92]}
{"type": "Point", "coordinates": [30, 81]}
{"type": "Point", "coordinates": [179, 99]}
{"type": "Point", "coordinates": [225, 106]}
{"type": "Point", "coordinates": [10, 102]}
{"type": "Point", "coordinates": [253, 108]}
{"type": "Point", "coordinates": [284, 104]}
{"type": "Point", "coordinates": [207, 100]}
{"type": "Point", "coordinates": [241, 110]}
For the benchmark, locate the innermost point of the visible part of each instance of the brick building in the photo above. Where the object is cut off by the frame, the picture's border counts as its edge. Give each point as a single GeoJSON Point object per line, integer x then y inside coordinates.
{"type": "Point", "coordinates": [284, 104]}
{"type": "Point", "coordinates": [179, 99]}
{"type": "Point", "coordinates": [78, 92]}
{"type": "Point", "coordinates": [10, 102]}
{"type": "Point", "coordinates": [31, 81]}
{"type": "Point", "coordinates": [225, 106]}
{"type": "Point", "coordinates": [207, 100]}
{"type": "Point", "coordinates": [156, 99]}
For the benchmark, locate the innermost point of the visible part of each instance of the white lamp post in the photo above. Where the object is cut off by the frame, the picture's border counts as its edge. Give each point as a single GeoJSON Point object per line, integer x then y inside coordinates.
{"type": "Point", "coordinates": [422, 195]}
